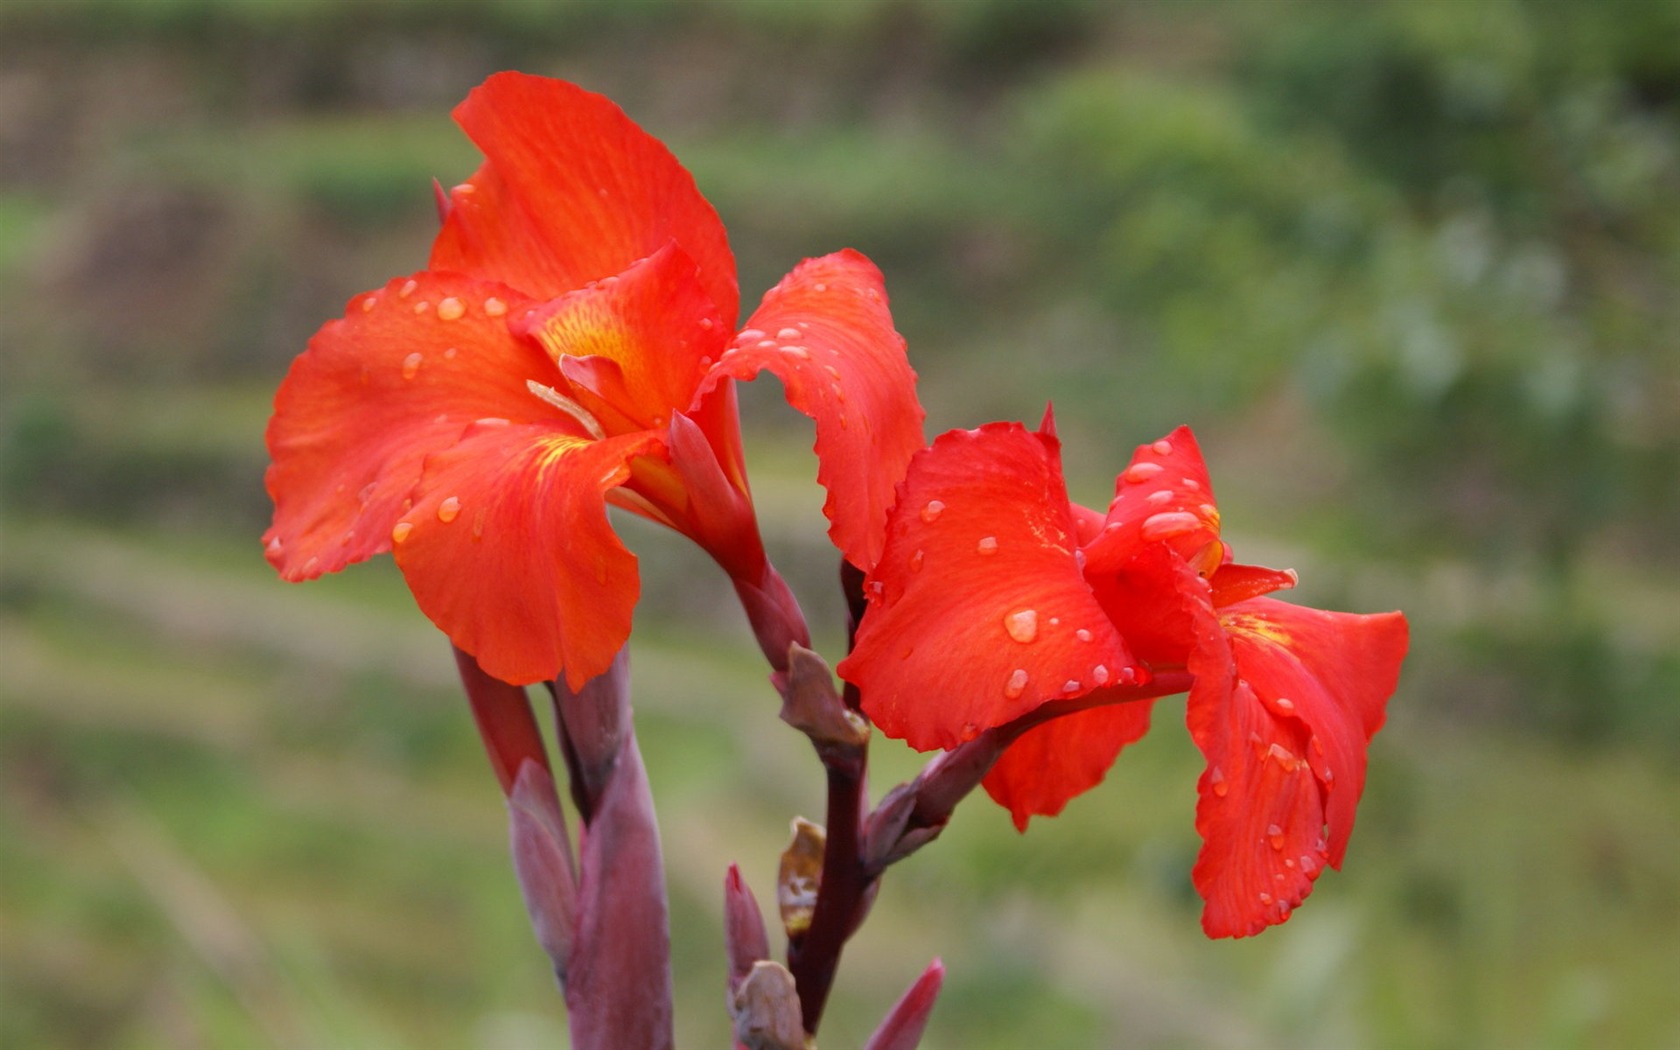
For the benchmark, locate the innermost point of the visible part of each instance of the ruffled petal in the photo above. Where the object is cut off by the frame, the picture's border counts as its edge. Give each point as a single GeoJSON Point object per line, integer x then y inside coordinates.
{"type": "Point", "coordinates": [826, 332]}
{"type": "Point", "coordinates": [397, 378]}
{"type": "Point", "coordinates": [1333, 672]}
{"type": "Point", "coordinates": [508, 550]}
{"type": "Point", "coordinates": [633, 347]}
{"type": "Point", "coordinates": [1164, 495]}
{"type": "Point", "coordinates": [1064, 757]}
{"type": "Point", "coordinates": [1285, 701]}
{"type": "Point", "coordinates": [572, 191]}
{"type": "Point", "coordinates": [977, 609]}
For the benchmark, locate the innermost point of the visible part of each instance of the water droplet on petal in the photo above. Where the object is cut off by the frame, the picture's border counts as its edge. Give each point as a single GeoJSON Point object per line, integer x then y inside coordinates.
{"type": "Point", "coordinates": [835, 372]}
{"type": "Point", "coordinates": [400, 531]}
{"type": "Point", "coordinates": [450, 309]}
{"type": "Point", "coordinates": [450, 354]}
{"type": "Point", "coordinates": [494, 307]}
{"type": "Point", "coordinates": [1274, 835]}
{"type": "Point", "coordinates": [1216, 780]}
{"type": "Point", "coordinates": [1083, 635]}
{"type": "Point", "coordinates": [312, 566]}
{"type": "Point", "coordinates": [422, 306]}
{"type": "Point", "coordinates": [1192, 484]}
{"type": "Point", "coordinates": [748, 335]}
{"type": "Point", "coordinates": [1159, 498]}
{"type": "Point", "coordinates": [987, 545]}
{"type": "Point", "coordinates": [411, 365]}
{"type": "Point", "coordinates": [916, 561]}
{"type": "Point", "coordinates": [1162, 447]}
{"type": "Point", "coordinates": [1265, 898]}
{"type": "Point", "coordinates": [1141, 472]}
{"type": "Point", "coordinates": [1168, 524]}
{"type": "Point", "coordinates": [1283, 757]}
{"type": "Point", "coordinates": [819, 286]}
{"type": "Point", "coordinates": [369, 303]}
{"type": "Point", "coordinates": [407, 289]}
{"type": "Point", "coordinates": [1284, 703]}
{"type": "Point", "coordinates": [1099, 674]}
{"type": "Point", "coordinates": [1022, 626]}
{"type": "Point", "coordinates": [274, 547]}
{"type": "Point", "coordinates": [449, 510]}
{"type": "Point", "coordinates": [1017, 683]}
{"type": "Point", "coordinates": [768, 344]}
{"type": "Point", "coordinates": [931, 512]}
{"type": "Point", "coordinates": [1071, 685]}
{"type": "Point", "coordinates": [790, 333]}
{"type": "Point", "coordinates": [1128, 675]}
{"type": "Point", "coordinates": [706, 324]}
{"type": "Point", "coordinates": [797, 352]}
{"type": "Point", "coordinates": [366, 492]}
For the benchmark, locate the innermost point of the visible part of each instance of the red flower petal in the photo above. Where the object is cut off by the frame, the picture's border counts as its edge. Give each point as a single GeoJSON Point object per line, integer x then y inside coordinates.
{"type": "Point", "coordinates": [1332, 671]}
{"type": "Point", "coordinates": [977, 609]}
{"type": "Point", "coordinates": [633, 346]}
{"type": "Point", "coordinates": [1164, 495]}
{"type": "Point", "coordinates": [826, 332]}
{"type": "Point", "coordinates": [400, 376]}
{"type": "Point", "coordinates": [572, 191]}
{"type": "Point", "coordinates": [1285, 701]}
{"type": "Point", "coordinates": [1153, 599]}
{"type": "Point", "coordinates": [1064, 757]}
{"type": "Point", "coordinates": [508, 550]}
{"type": "Point", "coordinates": [1234, 583]}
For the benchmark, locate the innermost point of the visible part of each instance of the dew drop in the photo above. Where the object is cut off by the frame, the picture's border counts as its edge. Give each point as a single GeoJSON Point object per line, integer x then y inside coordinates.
{"type": "Point", "coordinates": [1099, 674]}
{"type": "Point", "coordinates": [1128, 675]}
{"type": "Point", "coordinates": [1022, 626]}
{"type": "Point", "coordinates": [1017, 683]}
{"type": "Point", "coordinates": [450, 354]}
{"type": "Point", "coordinates": [407, 289]}
{"type": "Point", "coordinates": [748, 335]}
{"type": "Point", "coordinates": [400, 531]}
{"type": "Point", "coordinates": [366, 492]}
{"type": "Point", "coordinates": [768, 344]}
{"type": "Point", "coordinates": [706, 324]}
{"type": "Point", "coordinates": [819, 286]}
{"type": "Point", "coordinates": [312, 566]}
{"type": "Point", "coordinates": [1216, 780]}
{"type": "Point", "coordinates": [1071, 685]}
{"type": "Point", "coordinates": [1083, 635]}
{"type": "Point", "coordinates": [876, 588]}
{"type": "Point", "coordinates": [274, 547]}
{"type": "Point", "coordinates": [987, 545]}
{"type": "Point", "coordinates": [369, 303]}
{"type": "Point", "coordinates": [798, 352]}
{"type": "Point", "coordinates": [1160, 498]}
{"type": "Point", "coordinates": [1284, 703]}
{"type": "Point", "coordinates": [1265, 898]}
{"type": "Point", "coordinates": [448, 510]}
{"type": "Point", "coordinates": [411, 365]}
{"type": "Point", "coordinates": [1283, 757]}
{"type": "Point", "coordinates": [790, 333]}
{"type": "Point", "coordinates": [916, 561]}
{"type": "Point", "coordinates": [1192, 484]}
{"type": "Point", "coordinates": [1162, 447]}
{"type": "Point", "coordinates": [422, 306]}
{"type": "Point", "coordinates": [835, 372]}
{"type": "Point", "coordinates": [931, 512]}
{"type": "Point", "coordinates": [1141, 472]}
{"type": "Point", "coordinates": [1168, 524]}
{"type": "Point", "coordinates": [1274, 835]}
{"type": "Point", "coordinates": [494, 307]}
{"type": "Point", "coordinates": [450, 309]}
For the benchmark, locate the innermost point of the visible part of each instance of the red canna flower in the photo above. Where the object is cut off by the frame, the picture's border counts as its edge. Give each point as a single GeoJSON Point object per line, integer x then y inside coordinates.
{"type": "Point", "coordinates": [995, 595]}
{"type": "Point", "coordinates": [571, 345]}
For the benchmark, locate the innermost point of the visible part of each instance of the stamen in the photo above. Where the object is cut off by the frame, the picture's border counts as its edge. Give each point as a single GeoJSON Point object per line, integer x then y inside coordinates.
{"type": "Point", "coordinates": [568, 406]}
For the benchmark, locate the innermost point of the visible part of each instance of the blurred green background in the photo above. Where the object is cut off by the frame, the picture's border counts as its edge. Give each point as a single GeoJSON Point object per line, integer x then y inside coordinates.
{"type": "Point", "coordinates": [1409, 268]}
